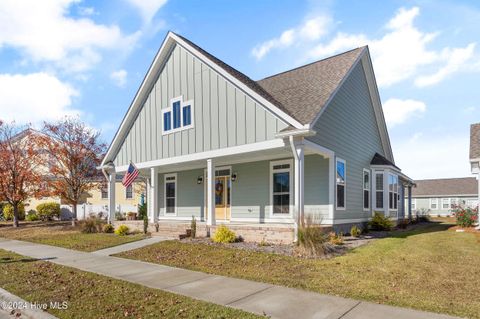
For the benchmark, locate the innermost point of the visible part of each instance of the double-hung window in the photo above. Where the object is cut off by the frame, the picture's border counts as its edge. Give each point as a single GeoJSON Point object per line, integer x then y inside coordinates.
{"type": "Point", "coordinates": [392, 192]}
{"type": "Point", "coordinates": [177, 116]}
{"type": "Point", "coordinates": [414, 204]}
{"type": "Point", "coordinates": [379, 190]}
{"type": "Point", "coordinates": [104, 193]}
{"type": "Point", "coordinates": [171, 193]}
{"type": "Point", "coordinates": [366, 189]}
{"type": "Point", "coordinates": [434, 203]}
{"type": "Point", "coordinates": [445, 203]}
{"type": "Point", "coordinates": [341, 183]}
{"type": "Point", "coordinates": [129, 192]}
{"type": "Point", "coordinates": [281, 186]}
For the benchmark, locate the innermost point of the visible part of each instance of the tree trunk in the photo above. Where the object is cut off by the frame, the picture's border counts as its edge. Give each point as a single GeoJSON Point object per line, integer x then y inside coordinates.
{"type": "Point", "coordinates": [15, 215]}
{"type": "Point", "coordinates": [74, 211]}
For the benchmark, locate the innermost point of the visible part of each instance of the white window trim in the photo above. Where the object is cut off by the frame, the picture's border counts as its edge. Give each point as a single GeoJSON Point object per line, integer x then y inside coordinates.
{"type": "Point", "coordinates": [338, 159]}
{"type": "Point", "coordinates": [365, 189]}
{"type": "Point", "coordinates": [165, 193]}
{"type": "Point", "coordinates": [436, 202]}
{"type": "Point", "coordinates": [101, 193]}
{"type": "Point", "coordinates": [449, 203]}
{"type": "Point", "coordinates": [170, 109]}
{"type": "Point", "coordinates": [377, 190]}
{"type": "Point", "coordinates": [414, 204]}
{"type": "Point", "coordinates": [291, 190]}
{"type": "Point", "coordinates": [129, 198]}
{"type": "Point", "coordinates": [395, 194]}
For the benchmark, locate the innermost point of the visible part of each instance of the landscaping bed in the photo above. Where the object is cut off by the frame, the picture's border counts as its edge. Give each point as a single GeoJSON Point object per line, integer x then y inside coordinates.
{"type": "Point", "coordinates": [89, 295]}
{"type": "Point", "coordinates": [425, 267]}
{"type": "Point", "coordinates": [62, 234]}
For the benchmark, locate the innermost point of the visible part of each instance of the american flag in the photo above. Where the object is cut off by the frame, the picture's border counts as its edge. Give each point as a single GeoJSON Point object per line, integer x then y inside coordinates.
{"type": "Point", "coordinates": [130, 175]}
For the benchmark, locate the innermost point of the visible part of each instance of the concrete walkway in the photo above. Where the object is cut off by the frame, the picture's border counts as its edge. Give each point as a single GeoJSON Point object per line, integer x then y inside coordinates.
{"type": "Point", "coordinates": [130, 246]}
{"type": "Point", "coordinates": [12, 306]}
{"type": "Point", "coordinates": [259, 298]}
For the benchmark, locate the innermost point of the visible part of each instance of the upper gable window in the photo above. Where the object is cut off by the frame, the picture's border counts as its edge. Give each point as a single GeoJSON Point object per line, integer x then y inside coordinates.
{"type": "Point", "coordinates": [177, 116]}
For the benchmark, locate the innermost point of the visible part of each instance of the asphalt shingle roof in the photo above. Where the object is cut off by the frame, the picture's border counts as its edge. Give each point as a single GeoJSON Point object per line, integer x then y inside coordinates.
{"type": "Point", "coordinates": [475, 141]}
{"type": "Point", "coordinates": [300, 92]}
{"type": "Point", "coordinates": [446, 186]}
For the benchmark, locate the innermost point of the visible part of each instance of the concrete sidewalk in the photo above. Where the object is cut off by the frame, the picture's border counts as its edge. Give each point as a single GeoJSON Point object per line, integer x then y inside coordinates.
{"type": "Point", "coordinates": [259, 298]}
{"type": "Point", "coordinates": [130, 246]}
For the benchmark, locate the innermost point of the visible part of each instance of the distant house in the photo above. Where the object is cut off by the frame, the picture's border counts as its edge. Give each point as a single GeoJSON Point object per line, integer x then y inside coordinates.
{"type": "Point", "coordinates": [259, 155]}
{"type": "Point", "coordinates": [438, 196]}
{"type": "Point", "coordinates": [475, 156]}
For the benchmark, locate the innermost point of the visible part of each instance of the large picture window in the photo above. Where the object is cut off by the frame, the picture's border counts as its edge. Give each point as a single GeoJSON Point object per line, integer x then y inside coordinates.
{"type": "Point", "coordinates": [281, 185]}
{"type": "Point", "coordinates": [366, 189]}
{"type": "Point", "coordinates": [392, 192]}
{"type": "Point", "coordinates": [379, 190]}
{"type": "Point", "coordinates": [341, 183]}
{"type": "Point", "coordinates": [171, 194]}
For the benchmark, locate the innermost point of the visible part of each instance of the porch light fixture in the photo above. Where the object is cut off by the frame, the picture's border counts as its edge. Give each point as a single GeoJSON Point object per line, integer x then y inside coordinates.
{"type": "Point", "coordinates": [199, 180]}
{"type": "Point", "coordinates": [234, 177]}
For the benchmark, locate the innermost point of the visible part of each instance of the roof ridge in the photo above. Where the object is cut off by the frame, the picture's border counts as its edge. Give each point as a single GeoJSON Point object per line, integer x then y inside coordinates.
{"type": "Point", "coordinates": [309, 64]}
{"type": "Point", "coordinates": [446, 178]}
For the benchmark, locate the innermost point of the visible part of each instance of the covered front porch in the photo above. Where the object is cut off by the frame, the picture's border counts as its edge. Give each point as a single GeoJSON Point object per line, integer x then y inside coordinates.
{"type": "Point", "coordinates": [256, 185]}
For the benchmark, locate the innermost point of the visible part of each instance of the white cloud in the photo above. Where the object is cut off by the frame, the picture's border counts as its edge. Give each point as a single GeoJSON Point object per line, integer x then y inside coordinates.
{"type": "Point", "coordinates": [398, 111]}
{"type": "Point", "coordinates": [436, 156]}
{"type": "Point", "coordinates": [455, 60]}
{"type": "Point", "coordinates": [119, 77]}
{"type": "Point", "coordinates": [147, 8]}
{"type": "Point", "coordinates": [43, 32]}
{"type": "Point", "coordinates": [33, 98]}
{"type": "Point", "coordinates": [311, 30]}
{"type": "Point", "coordinates": [87, 11]}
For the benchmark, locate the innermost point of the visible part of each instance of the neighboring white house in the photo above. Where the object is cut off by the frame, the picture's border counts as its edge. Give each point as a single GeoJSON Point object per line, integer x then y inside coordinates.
{"type": "Point", "coordinates": [436, 197]}
{"type": "Point", "coordinates": [224, 148]}
{"type": "Point", "coordinates": [475, 156]}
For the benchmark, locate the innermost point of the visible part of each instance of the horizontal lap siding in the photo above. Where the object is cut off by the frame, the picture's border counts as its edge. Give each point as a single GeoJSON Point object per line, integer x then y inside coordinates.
{"type": "Point", "coordinates": [224, 116]}
{"type": "Point", "coordinates": [348, 127]}
{"type": "Point", "coordinates": [316, 187]}
{"type": "Point", "coordinates": [424, 203]}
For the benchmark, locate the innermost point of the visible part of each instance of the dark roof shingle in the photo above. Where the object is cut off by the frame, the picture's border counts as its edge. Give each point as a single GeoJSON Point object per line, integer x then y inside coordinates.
{"type": "Point", "coordinates": [300, 92]}
{"type": "Point", "coordinates": [381, 160]}
{"type": "Point", "coordinates": [475, 141]}
{"type": "Point", "coordinates": [446, 186]}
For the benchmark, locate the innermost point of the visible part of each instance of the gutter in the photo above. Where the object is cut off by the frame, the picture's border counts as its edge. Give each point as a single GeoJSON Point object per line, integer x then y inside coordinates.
{"type": "Point", "coordinates": [296, 132]}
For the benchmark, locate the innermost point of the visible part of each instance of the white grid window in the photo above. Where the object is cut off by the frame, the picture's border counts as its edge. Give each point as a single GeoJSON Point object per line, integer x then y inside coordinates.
{"type": "Point", "coordinates": [366, 189]}
{"type": "Point", "coordinates": [434, 203]}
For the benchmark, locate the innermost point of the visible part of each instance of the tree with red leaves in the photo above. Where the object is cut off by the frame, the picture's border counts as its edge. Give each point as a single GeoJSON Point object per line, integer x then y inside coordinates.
{"type": "Point", "coordinates": [75, 152]}
{"type": "Point", "coordinates": [22, 166]}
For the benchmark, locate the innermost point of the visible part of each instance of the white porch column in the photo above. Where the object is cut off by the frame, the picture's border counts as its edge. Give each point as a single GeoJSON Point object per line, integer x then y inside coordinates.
{"type": "Point", "coordinates": [210, 192]}
{"type": "Point", "coordinates": [111, 196]}
{"type": "Point", "coordinates": [153, 195]}
{"type": "Point", "coordinates": [331, 186]}
{"type": "Point", "coordinates": [299, 182]}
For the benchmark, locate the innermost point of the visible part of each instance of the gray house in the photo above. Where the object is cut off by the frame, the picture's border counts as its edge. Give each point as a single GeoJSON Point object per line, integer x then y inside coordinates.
{"type": "Point", "coordinates": [259, 155]}
{"type": "Point", "coordinates": [475, 156]}
{"type": "Point", "coordinates": [436, 197]}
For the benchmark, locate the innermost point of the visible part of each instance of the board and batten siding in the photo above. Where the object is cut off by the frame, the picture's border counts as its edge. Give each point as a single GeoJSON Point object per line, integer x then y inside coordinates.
{"type": "Point", "coordinates": [349, 128]}
{"type": "Point", "coordinates": [224, 116]}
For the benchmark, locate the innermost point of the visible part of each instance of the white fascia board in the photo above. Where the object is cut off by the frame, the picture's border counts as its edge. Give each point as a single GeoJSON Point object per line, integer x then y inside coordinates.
{"type": "Point", "coordinates": [139, 97]}
{"type": "Point", "coordinates": [299, 132]}
{"type": "Point", "coordinates": [235, 150]}
{"type": "Point", "coordinates": [271, 107]}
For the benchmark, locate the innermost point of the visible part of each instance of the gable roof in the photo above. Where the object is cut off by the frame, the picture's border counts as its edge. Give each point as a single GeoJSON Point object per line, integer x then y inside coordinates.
{"type": "Point", "coordinates": [297, 96]}
{"type": "Point", "coordinates": [475, 141]}
{"type": "Point", "coordinates": [381, 160]}
{"type": "Point", "coordinates": [446, 187]}
{"type": "Point", "coordinates": [305, 90]}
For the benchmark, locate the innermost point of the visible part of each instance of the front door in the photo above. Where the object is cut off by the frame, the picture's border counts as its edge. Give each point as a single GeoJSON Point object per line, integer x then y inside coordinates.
{"type": "Point", "coordinates": [222, 197]}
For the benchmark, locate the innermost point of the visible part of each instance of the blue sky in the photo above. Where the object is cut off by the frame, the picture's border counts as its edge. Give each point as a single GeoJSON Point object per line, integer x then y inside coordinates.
{"type": "Point", "coordinates": [69, 57]}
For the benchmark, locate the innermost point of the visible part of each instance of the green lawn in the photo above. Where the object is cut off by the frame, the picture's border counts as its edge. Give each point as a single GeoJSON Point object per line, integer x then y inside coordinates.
{"type": "Point", "coordinates": [93, 296]}
{"type": "Point", "coordinates": [62, 234]}
{"type": "Point", "coordinates": [430, 268]}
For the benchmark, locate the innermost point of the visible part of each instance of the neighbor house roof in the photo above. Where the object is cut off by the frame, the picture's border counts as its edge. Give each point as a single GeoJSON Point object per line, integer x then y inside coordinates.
{"type": "Point", "coordinates": [304, 91]}
{"type": "Point", "coordinates": [446, 187]}
{"type": "Point", "coordinates": [475, 141]}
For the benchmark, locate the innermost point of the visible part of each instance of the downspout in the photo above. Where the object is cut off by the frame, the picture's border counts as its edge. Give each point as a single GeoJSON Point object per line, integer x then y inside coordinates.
{"type": "Point", "coordinates": [295, 222]}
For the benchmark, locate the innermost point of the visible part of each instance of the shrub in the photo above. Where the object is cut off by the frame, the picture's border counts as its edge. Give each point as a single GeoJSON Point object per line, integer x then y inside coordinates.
{"type": "Point", "coordinates": [311, 238]}
{"type": "Point", "coordinates": [335, 239]}
{"type": "Point", "coordinates": [224, 235]}
{"type": "Point", "coordinates": [108, 228]}
{"type": "Point", "coordinates": [423, 215]}
{"type": "Point", "coordinates": [355, 231]}
{"type": "Point", "coordinates": [380, 222]}
{"type": "Point", "coordinates": [145, 223]}
{"type": "Point", "coordinates": [91, 225]}
{"type": "Point", "coordinates": [8, 212]}
{"type": "Point", "coordinates": [142, 211]}
{"type": "Point", "coordinates": [403, 223]}
{"type": "Point", "coordinates": [465, 216]}
{"type": "Point", "coordinates": [122, 230]}
{"type": "Point", "coordinates": [119, 216]}
{"type": "Point", "coordinates": [48, 211]}
{"type": "Point", "coordinates": [193, 227]}
{"type": "Point", "coordinates": [32, 215]}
